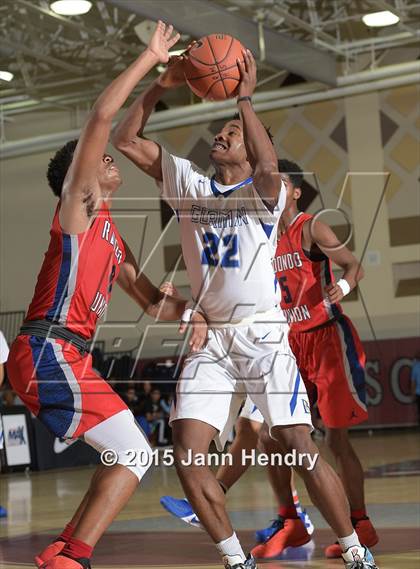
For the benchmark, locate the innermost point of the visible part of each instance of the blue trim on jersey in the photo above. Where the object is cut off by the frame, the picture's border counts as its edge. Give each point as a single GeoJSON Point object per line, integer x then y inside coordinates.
{"type": "Point", "coordinates": [63, 279]}
{"type": "Point", "coordinates": [336, 312]}
{"type": "Point", "coordinates": [293, 401]}
{"type": "Point", "coordinates": [55, 396]}
{"type": "Point", "coordinates": [255, 408]}
{"type": "Point", "coordinates": [356, 369]}
{"type": "Point", "coordinates": [268, 228]}
{"type": "Point", "coordinates": [217, 193]}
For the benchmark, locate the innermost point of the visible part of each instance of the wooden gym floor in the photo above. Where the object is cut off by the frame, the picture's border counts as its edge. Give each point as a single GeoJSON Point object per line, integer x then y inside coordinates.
{"type": "Point", "coordinates": [145, 537]}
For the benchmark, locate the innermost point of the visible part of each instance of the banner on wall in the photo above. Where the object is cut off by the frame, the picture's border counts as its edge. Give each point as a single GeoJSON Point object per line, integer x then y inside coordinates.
{"type": "Point", "coordinates": [388, 373]}
{"type": "Point", "coordinates": [16, 439]}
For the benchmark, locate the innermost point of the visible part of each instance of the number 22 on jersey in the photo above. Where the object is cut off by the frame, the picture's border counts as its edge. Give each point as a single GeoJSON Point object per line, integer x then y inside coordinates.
{"type": "Point", "coordinates": [223, 251]}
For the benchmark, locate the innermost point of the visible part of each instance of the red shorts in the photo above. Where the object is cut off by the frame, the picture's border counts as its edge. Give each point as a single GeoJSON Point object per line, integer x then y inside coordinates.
{"type": "Point", "coordinates": [332, 364]}
{"type": "Point", "coordinates": [60, 386]}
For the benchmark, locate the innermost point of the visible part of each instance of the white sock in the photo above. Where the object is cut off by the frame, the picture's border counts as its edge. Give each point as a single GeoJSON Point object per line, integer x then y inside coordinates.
{"type": "Point", "coordinates": [349, 541]}
{"type": "Point", "coordinates": [231, 548]}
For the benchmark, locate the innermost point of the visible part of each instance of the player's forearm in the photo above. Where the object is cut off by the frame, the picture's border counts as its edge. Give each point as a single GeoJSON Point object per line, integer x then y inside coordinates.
{"type": "Point", "coordinates": [261, 154]}
{"type": "Point", "coordinates": [259, 147]}
{"type": "Point", "coordinates": [166, 308]}
{"type": "Point", "coordinates": [136, 117]}
{"type": "Point", "coordinates": [156, 304]}
{"type": "Point", "coordinates": [353, 273]}
{"type": "Point", "coordinates": [115, 95]}
{"type": "Point", "coordinates": [1, 374]}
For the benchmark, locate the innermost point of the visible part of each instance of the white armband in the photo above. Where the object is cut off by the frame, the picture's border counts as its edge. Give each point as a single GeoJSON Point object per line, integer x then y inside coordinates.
{"type": "Point", "coordinates": [344, 285]}
{"type": "Point", "coordinates": [191, 307]}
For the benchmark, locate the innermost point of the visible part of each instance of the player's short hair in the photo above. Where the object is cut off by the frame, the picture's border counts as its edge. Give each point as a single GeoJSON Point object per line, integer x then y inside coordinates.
{"type": "Point", "coordinates": [237, 117]}
{"type": "Point", "coordinates": [293, 170]}
{"type": "Point", "coordinates": [58, 166]}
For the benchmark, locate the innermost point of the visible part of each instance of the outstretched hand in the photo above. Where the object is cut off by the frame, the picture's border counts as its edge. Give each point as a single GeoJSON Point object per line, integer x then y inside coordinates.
{"type": "Point", "coordinates": [199, 329]}
{"type": "Point", "coordinates": [169, 289]}
{"type": "Point", "coordinates": [174, 75]}
{"type": "Point", "coordinates": [334, 293]}
{"type": "Point", "coordinates": [198, 323]}
{"type": "Point", "coordinates": [248, 73]}
{"type": "Point", "coordinates": [161, 41]}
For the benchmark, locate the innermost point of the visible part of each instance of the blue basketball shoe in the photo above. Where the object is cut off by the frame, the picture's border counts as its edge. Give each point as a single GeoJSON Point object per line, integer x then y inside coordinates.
{"type": "Point", "coordinates": [3, 512]}
{"type": "Point", "coordinates": [181, 509]}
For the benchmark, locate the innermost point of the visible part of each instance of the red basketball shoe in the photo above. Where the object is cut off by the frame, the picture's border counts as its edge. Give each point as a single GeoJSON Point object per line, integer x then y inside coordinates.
{"type": "Point", "coordinates": [291, 533]}
{"type": "Point", "coordinates": [48, 553]}
{"type": "Point", "coordinates": [63, 562]}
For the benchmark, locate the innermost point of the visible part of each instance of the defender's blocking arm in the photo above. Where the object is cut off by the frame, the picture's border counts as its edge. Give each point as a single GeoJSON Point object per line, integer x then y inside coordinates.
{"type": "Point", "coordinates": [81, 177]}
{"type": "Point", "coordinates": [156, 303]}
{"type": "Point", "coordinates": [128, 134]}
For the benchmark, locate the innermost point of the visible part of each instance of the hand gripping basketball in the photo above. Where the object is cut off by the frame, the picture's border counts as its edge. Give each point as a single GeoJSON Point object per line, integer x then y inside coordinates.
{"type": "Point", "coordinates": [248, 73]}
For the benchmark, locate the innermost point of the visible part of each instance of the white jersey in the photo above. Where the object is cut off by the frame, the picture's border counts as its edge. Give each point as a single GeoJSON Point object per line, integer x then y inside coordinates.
{"type": "Point", "coordinates": [228, 239]}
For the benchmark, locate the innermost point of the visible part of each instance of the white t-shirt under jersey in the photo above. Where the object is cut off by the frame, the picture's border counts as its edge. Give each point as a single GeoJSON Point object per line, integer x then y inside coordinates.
{"type": "Point", "coordinates": [228, 239]}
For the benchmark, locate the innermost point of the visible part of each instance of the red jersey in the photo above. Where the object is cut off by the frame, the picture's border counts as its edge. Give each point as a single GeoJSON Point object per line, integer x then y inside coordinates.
{"type": "Point", "coordinates": [303, 277]}
{"type": "Point", "coordinates": [76, 277]}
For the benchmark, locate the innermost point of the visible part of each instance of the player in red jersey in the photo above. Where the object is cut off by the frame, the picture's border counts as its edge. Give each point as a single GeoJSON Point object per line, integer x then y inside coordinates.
{"type": "Point", "coordinates": [328, 352]}
{"type": "Point", "coordinates": [327, 347]}
{"type": "Point", "coordinates": [49, 364]}
{"type": "Point", "coordinates": [331, 360]}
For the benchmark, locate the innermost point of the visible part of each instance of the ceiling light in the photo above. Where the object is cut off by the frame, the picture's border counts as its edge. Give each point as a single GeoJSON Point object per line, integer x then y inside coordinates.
{"type": "Point", "coordinates": [6, 75]}
{"type": "Point", "coordinates": [379, 19]}
{"type": "Point", "coordinates": [71, 7]}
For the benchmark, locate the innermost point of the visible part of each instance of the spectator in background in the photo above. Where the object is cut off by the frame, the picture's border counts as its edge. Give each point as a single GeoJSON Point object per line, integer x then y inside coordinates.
{"type": "Point", "coordinates": [4, 354]}
{"type": "Point", "coordinates": [143, 413]}
{"type": "Point", "coordinates": [8, 398]}
{"type": "Point", "coordinates": [130, 397]}
{"type": "Point", "coordinates": [144, 389]}
{"type": "Point", "coordinates": [159, 423]}
{"type": "Point", "coordinates": [97, 360]}
{"type": "Point", "coordinates": [165, 404]}
{"type": "Point", "coordinates": [415, 384]}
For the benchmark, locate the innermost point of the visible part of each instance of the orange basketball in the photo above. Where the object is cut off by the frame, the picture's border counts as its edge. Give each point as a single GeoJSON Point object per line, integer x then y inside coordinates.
{"type": "Point", "coordinates": [211, 70]}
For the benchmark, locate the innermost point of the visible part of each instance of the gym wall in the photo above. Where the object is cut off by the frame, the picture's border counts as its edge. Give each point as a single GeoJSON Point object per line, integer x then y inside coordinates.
{"type": "Point", "coordinates": [349, 148]}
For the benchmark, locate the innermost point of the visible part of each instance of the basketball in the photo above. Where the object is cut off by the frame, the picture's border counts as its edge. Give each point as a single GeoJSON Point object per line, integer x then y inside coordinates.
{"type": "Point", "coordinates": [211, 70]}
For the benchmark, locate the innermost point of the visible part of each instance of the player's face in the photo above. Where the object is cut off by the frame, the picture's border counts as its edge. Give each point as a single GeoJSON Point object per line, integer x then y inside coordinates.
{"type": "Point", "coordinates": [292, 193]}
{"type": "Point", "coordinates": [109, 176]}
{"type": "Point", "coordinates": [228, 146]}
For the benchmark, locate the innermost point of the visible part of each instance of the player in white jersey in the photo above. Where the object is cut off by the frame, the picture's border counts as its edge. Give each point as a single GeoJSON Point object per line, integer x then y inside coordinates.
{"type": "Point", "coordinates": [228, 226]}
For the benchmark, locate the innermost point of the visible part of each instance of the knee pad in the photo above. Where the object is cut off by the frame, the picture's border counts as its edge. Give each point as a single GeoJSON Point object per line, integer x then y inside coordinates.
{"type": "Point", "coordinates": [119, 440]}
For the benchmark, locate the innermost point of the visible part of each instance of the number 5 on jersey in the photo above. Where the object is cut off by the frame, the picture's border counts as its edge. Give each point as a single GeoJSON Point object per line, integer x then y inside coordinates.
{"type": "Point", "coordinates": [225, 248]}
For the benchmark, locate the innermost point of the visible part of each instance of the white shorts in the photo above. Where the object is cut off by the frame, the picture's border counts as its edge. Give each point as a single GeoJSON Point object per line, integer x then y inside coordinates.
{"type": "Point", "coordinates": [251, 412]}
{"type": "Point", "coordinates": [252, 359]}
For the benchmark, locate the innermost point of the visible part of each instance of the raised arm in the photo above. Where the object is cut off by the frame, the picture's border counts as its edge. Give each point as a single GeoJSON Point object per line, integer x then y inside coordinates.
{"type": "Point", "coordinates": [128, 134]}
{"type": "Point", "coordinates": [260, 150]}
{"type": "Point", "coordinates": [320, 235]}
{"type": "Point", "coordinates": [81, 178]}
